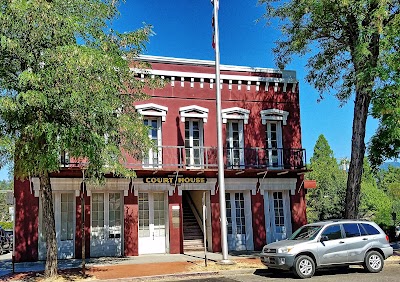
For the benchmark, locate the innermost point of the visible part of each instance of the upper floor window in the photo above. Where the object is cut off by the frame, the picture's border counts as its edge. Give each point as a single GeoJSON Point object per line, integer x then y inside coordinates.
{"type": "Point", "coordinates": [154, 115]}
{"type": "Point", "coordinates": [273, 120]}
{"type": "Point", "coordinates": [235, 118]}
{"type": "Point", "coordinates": [194, 118]}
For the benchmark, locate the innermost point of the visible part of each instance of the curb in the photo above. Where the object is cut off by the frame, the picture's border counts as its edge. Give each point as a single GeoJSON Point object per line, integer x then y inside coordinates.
{"type": "Point", "coordinates": [197, 274]}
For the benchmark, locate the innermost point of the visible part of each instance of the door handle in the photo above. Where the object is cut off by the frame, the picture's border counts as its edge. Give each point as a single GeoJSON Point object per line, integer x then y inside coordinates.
{"type": "Point", "coordinates": [341, 242]}
{"type": "Point", "coordinates": [153, 236]}
{"type": "Point", "coordinates": [365, 239]}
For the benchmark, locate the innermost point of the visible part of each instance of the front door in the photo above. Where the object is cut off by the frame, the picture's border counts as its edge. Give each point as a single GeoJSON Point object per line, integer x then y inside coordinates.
{"type": "Point", "coordinates": [277, 216]}
{"type": "Point", "coordinates": [334, 250]}
{"type": "Point", "coordinates": [235, 216]}
{"type": "Point", "coordinates": [152, 222]}
{"type": "Point", "coordinates": [64, 217]}
{"type": "Point", "coordinates": [106, 227]}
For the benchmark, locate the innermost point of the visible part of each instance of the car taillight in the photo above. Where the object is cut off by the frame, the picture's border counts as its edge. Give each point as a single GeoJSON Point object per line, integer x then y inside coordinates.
{"type": "Point", "coordinates": [387, 238]}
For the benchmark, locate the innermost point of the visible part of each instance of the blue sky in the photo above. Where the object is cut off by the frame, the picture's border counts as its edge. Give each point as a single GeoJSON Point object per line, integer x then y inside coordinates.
{"type": "Point", "coordinates": [183, 29]}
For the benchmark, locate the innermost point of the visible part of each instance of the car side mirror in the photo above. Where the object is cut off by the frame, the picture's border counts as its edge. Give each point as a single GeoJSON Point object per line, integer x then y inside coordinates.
{"type": "Point", "coordinates": [324, 238]}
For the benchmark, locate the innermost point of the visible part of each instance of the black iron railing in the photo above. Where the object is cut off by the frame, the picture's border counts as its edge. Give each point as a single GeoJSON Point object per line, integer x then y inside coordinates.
{"type": "Point", "coordinates": [181, 157]}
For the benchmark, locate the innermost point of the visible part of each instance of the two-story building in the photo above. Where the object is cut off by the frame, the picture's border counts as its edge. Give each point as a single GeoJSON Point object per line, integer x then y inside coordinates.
{"type": "Point", "coordinates": [161, 211]}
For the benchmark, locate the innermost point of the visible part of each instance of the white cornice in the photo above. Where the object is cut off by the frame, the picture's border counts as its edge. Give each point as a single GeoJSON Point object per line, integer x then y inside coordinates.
{"type": "Point", "coordinates": [159, 59]}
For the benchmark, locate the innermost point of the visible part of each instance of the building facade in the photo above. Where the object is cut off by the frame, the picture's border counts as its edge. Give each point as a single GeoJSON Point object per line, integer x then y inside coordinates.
{"type": "Point", "coordinates": [176, 189]}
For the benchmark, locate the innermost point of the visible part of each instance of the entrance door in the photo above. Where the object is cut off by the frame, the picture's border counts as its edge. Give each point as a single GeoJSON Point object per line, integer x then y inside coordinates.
{"type": "Point", "coordinates": [194, 143]}
{"type": "Point", "coordinates": [277, 216]}
{"type": "Point", "coordinates": [106, 227]}
{"type": "Point", "coordinates": [235, 216]}
{"type": "Point", "coordinates": [234, 144]}
{"type": "Point", "coordinates": [64, 216]}
{"type": "Point", "coordinates": [152, 215]}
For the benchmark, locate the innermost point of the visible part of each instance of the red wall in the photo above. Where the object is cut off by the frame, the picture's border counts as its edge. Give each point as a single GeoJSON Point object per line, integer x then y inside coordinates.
{"type": "Point", "coordinates": [131, 216]}
{"type": "Point", "coordinates": [175, 233]}
{"type": "Point", "coordinates": [259, 232]}
{"type": "Point", "coordinates": [26, 222]}
{"type": "Point", "coordinates": [215, 223]}
{"type": "Point", "coordinates": [298, 206]}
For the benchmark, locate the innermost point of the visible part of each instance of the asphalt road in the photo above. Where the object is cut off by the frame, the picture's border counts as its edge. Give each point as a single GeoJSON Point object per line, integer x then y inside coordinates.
{"type": "Point", "coordinates": [390, 273]}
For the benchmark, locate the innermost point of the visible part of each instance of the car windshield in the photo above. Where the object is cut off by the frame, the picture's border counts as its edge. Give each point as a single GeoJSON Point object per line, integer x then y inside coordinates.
{"type": "Point", "coordinates": [307, 232]}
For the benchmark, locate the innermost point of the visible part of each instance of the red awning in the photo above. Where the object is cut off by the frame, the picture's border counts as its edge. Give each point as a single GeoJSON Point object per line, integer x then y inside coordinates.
{"type": "Point", "coordinates": [310, 184]}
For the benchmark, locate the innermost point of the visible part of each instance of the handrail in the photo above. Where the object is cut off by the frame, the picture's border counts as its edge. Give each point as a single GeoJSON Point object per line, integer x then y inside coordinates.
{"type": "Point", "coordinates": [194, 210]}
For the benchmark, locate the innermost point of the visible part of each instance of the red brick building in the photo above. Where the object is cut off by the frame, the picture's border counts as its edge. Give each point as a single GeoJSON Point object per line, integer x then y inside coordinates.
{"type": "Point", "coordinates": [161, 210]}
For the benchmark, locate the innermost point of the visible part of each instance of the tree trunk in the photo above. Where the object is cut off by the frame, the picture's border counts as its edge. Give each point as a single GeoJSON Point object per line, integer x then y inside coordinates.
{"type": "Point", "coordinates": [361, 106]}
{"type": "Point", "coordinates": [49, 228]}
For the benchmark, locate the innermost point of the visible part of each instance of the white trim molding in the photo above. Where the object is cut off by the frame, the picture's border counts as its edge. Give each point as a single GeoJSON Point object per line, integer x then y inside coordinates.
{"type": "Point", "coordinates": [59, 184]}
{"type": "Point", "coordinates": [139, 185]}
{"type": "Point", "coordinates": [240, 184]}
{"type": "Point", "coordinates": [152, 109]}
{"type": "Point", "coordinates": [112, 184]}
{"type": "Point", "coordinates": [235, 113]}
{"type": "Point", "coordinates": [193, 111]}
{"type": "Point", "coordinates": [278, 184]}
{"type": "Point", "coordinates": [274, 114]}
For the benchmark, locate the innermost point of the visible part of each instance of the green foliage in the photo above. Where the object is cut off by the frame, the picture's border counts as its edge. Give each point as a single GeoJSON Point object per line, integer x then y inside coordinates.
{"type": "Point", "coordinates": [389, 182]}
{"type": "Point", "coordinates": [327, 201]}
{"type": "Point", "coordinates": [66, 85]}
{"type": "Point", "coordinates": [4, 214]}
{"type": "Point", "coordinates": [353, 50]}
{"type": "Point", "coordinates": [7, 225]}
{"type": "Point", "coordinates": [375, 204]}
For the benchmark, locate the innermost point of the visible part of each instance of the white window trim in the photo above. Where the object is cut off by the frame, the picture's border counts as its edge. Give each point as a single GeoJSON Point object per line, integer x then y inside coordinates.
{"type": "Point", "coordinates": [59, 184]}
{"type": "Point", "coordinates": [235, 113]}
{"type": "Point", "coordinates": [278, 184]}
{"type": "Point", "coordinates": [152, 109]}
{"type": "Point", "coordinates": [111, 185]}
{"type": "Point", "coordinates": [275, 115]}
{"type": "Point", "coordinates": [193, 111]}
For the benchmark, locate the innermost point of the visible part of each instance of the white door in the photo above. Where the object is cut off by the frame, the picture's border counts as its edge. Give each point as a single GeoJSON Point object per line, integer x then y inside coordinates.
{"type": "Point", "coordinates": [274, 144]}
{"type": "Point", "coordinates": [64, 217]}
{"type": "Point", "coordinates": [106, 227]}
{"type": "Point", "coordinates": [154, 157]}
{"type": "Point", "coordinates": [235, 144]}
{"type": "Point", "coordinates": [239, 221]}
{"type": "Point", "coordinates": [277, 215]}
{"type": "Point", "coordinates": [194, 143]}
{"type": "Point", "coordinates": [152, 222]}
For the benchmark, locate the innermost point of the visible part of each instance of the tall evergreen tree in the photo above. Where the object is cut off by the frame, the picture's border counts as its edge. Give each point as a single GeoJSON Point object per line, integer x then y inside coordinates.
{"type": "Point", "coordinates": [356, 45]}
{"type": "Point", "coordinates": [66, 85]}
{"type": "Point", "coordinates": [327, 201]}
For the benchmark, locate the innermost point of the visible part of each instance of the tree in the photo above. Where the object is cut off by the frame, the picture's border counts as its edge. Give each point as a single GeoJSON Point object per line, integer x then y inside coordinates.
{"type": "Point", "coordinates": [66, 85]}
{"type": "Point", "coordinates": [327, 201]}
{"type": "Point", "coordinates": [389, 182]}
{"type": "Point", "coordinates": [353, 41]}
{"type": "Point", "coordinates": [4, 214]}
{"type": "Point", "coordinates": [375, 204]}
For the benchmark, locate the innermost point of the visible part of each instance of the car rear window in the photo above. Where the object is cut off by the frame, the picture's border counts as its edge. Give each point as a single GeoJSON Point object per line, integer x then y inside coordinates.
{"type": "Point", "coordinates": [351, 230]}
{"type": "Point", "coordinates": [370, 229]}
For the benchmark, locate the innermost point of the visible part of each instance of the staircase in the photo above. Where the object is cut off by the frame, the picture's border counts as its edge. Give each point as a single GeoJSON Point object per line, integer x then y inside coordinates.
{"type": "Point", "coordinates": [192, 234]}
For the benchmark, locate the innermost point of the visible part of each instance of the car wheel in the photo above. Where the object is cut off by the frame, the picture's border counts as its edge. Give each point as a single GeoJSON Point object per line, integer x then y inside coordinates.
{"type": "Point", "coordinates": [373, 261]}
{"type": "Point", "coordinates": [304, 267]}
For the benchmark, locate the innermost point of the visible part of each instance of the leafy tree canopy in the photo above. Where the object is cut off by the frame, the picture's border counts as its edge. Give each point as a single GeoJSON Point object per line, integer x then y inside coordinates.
{"type": "Point", "coordinates": [353, 49]}
{"type": "Point", "coordinates": [327, 201]}
{"type": "Point", "coordinates": [58, 95]}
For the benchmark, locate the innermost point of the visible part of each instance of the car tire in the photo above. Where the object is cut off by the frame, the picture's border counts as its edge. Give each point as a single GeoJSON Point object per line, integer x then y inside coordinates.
{"type": "Point", "coordinates": [373, 262]}
{"type": "Point", "coordinates": [304, 267]}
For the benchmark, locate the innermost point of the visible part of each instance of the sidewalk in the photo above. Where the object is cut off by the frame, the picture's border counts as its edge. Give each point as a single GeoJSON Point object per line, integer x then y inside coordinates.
{"type": "Point", "coordinates": [147, 267]}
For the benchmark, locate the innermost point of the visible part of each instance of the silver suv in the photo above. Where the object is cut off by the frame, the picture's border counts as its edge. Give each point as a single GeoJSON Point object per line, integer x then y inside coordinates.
{"type": "Point", "coordinates": [329, 243]}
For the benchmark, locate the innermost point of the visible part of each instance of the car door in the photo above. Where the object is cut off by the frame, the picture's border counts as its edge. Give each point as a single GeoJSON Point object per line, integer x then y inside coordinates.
{"type": "Point", "coordinates": [356, 242]}
{"type": "Point", "coordinates": [333, 250]}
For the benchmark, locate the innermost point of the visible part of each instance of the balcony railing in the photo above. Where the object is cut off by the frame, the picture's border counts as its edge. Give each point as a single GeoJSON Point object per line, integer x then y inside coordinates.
{"type": "Point", "coordinates": [180, 157]}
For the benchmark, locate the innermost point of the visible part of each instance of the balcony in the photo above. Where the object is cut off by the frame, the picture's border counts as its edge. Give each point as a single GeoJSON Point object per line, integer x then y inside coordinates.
{"type": "Point", "coordinates": [191, 158]}
{"type": "Point", "coordinates": [205, 158]}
